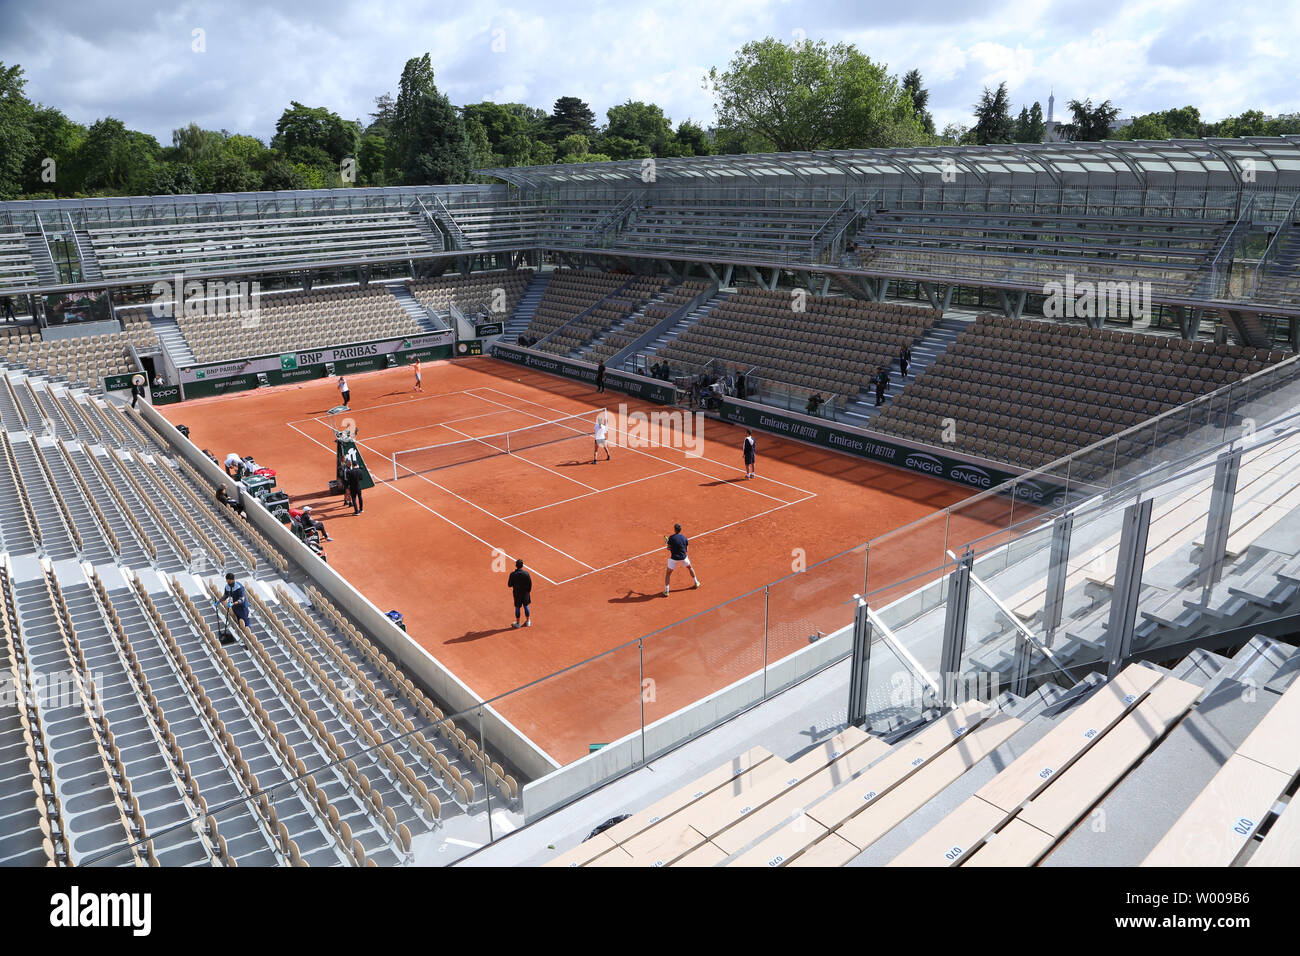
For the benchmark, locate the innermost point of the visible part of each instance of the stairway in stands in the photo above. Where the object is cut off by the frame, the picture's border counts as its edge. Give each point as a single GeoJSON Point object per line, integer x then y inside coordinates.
{"type": "Point", "coordinates": [528, 302]}
{"type": "Point", "coordinates": [173, 340]}
{"type": "Point", "coordinates": [41, 259]}
{"type": "Point", "coordinates": [686, 322]}
{"type": "Point", "coordinates": [924, 353]}
{"type": "Point", "coordinates": [431, 235]}
{"type": "Point", "coordinates": [89, 263]}
{"type": "Point", "coordinates": [428, 319]}
{"type": "Point", "coordinates": [619, 326]}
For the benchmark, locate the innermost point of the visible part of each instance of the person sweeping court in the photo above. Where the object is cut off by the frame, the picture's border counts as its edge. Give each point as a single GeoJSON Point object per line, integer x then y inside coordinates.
{"type": "Point", "coordinates": [677, 547]}
{"type": "Point", "coordinates": [345, 391]}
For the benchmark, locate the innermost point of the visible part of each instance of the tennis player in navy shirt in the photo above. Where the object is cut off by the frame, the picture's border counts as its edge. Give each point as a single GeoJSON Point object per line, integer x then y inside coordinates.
{"type": "Point", "coordinates": [677, 545]}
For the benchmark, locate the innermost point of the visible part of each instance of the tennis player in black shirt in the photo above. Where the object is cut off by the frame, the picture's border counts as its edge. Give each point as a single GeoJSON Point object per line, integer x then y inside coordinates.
{"type": "Point", "coordinates": [521, 583]}
{"type": "Point", "coordinates": [677, 545]}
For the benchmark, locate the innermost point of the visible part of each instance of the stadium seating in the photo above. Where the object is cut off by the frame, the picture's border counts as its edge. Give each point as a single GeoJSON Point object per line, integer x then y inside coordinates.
{"type": "Point", "coordinates": [610, 311]}
{"type": "Point", "coordinates": [339, 760]}
{"type": "Point", "coordinates": [290, 321]}
{"type": "Point", "coordinates": [229, 245]}
{"type": "Point", "coordinates": [1170, 248]}
{"type": "Point", "coordinates": [834, 345]}
{"type": "Point", "coordinates": [1027, 392]}
{"type": "Point", "coordinates": [765, 229]}
{"type": "Point", "coordinates": [569, 293]}
{"type": "Point", "coordinates": [473, 294]}
{"type": "Point", "coordinates": [621, 335]}
{"type": "Point", "coordinates": [84, 360]}
{"type": "Point", "coordinates": [16, 267]}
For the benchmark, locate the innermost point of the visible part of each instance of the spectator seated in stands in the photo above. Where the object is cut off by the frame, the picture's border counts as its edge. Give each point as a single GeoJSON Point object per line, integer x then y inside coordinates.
{"type": "Point", "coordinates": [236, 503]}
{"type": "Point", "coordinates": [306, 524]}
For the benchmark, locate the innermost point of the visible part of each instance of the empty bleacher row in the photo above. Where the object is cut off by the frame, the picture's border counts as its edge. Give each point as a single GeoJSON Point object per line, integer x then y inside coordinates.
{"type": "Point", "coordinates": [608, 312]}
{"type": "Point", "coordinates": [312, 747]}
{"type": "Point", "coordinates": [1027, 392]}
{"type": "Point", "coordinates": [770, 228]}
{"type": "Point", "coordinates": [143, 251]}
{"type": "Point", "coordinates": [1170, 251]}
{"type": "Point", "coordinates": [659, 308]}
{"type": "Point", "coordinates": [833, 344]}
{"type": "Point", "coordinates": [1016, 781]}
{"type": "Point", "coordinates": [230, 327]}
{"type": "Point", "coordinates": [494, 293]}
{"type": "Point", "coordinates": [84, 360]}
{"type": "Point", "coordinates": [569, 293]}
{"type": "Point", "coordinates": [16, 267]}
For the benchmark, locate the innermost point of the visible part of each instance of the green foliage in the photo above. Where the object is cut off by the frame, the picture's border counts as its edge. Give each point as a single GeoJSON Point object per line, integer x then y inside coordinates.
{"type": "Point", "coordinates": [56, 141]}
{"type": "Point", "coordinates": [302, 129]}
{"type": "Point", "coordinates": [17, 154]}
{"type": "Point", "coordinates": [807, 96]}
{"type": "Point", "coordinates": [992, 117]}
{"type": "Point", "coordinates": [570, 117]}
{"type": "Point", "coordinates": [1091, 123]}
{"type": "Point", "coordinates": [428, 142]}
{"type": "Point", "coordinates": [920, 97]}
{"type": "Point", "coordinates": [1029, 126]}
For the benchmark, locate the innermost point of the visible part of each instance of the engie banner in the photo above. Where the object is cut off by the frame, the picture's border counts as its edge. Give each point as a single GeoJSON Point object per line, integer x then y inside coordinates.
{"type": "Point", "coordinates": [639, 386]}
{"type": "Point", "coordinates": [853, 441]}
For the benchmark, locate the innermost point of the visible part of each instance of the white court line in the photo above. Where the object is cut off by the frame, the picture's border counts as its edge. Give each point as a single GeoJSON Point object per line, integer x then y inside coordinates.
{"type": "Point", "coordinates": [783, 504]}
{"type": "Point", "coordinates": [669, 461]}
{"type": "Point", "coordinates": [478, 507]}
{"type": "Point", "coordinates": [596, 492]}
{"type": "Point", "coordinates": [439, 514]}
{"type": "Point", "coordinates": [520, 456]}
{"type": "Point", "coordinates": [463, 391]}
{"type": "Point", "coordinates": [702, 534]}
{"type": "Point", "coordinates": [450, 421]}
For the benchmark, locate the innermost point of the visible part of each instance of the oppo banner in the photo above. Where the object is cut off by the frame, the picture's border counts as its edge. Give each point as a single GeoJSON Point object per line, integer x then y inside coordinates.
{"type": "Point", "coordinates": [651, 389]}
{"type": "Point", "coordinates": [853, 441]}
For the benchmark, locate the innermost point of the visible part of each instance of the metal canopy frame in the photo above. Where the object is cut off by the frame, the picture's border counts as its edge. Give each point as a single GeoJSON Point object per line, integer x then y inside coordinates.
{"type": "Point", "coordinates": [1123, 163]}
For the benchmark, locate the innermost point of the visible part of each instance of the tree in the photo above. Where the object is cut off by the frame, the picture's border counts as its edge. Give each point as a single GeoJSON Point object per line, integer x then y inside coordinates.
{"type": "Point", "coordinates": [227, 174]}
{"type": "Point", "coordinates": [1091, 123]}
{"type": "Point", "coordinates": [372, 158]}
{"type": "Point", "coordinates": [113, 158]}
{"type": "Point", "coordinates": [382, 117]}
{"type": "Point", "coordinates": [570, 116]}
{"type": "Point", "coordinates": [281, 174]}
{"type": "Point", "coordinates": [192, 144]}
{"type": "Point", "coordinates": [639, 123]}
{"type": "Point", "coordinates": [920, 98]}
{"type": "Point", "coordinates": [15, 135]}
{"type": "Point", "coordinates": [1029, 126]}
{"type": "Point", "coordinates": [428, 142]}
{"type": "Point", "coordinates": [53, 164]}
{"type": "Point", "coordinates": [302, 128]}
{"type": "Point", "coordinates": [806, 96]}
{"type": "Point", "coordinates": [992, 117]}
{"type": "Point", "coordinates": [692, 140]}
{"type": "Point", "coordinates": [171, 179]}
{"type": "Point", "coordinates": [577, 149]}
{"type": "Point", "coordinates": [954, 134]}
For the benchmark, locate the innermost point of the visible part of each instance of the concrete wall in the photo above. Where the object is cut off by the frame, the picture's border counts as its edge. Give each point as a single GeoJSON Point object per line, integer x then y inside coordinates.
{"type": "Point", "coordinates": [503, 740]}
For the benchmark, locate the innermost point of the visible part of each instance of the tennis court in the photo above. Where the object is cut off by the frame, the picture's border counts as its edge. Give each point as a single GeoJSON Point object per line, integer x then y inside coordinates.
{"type": "Point", "coordinates": [493, 462]}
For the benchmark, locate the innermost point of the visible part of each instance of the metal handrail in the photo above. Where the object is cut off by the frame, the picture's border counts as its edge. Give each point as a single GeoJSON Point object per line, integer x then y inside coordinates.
{"type": "Point", "coordinates": [1288, 223]}
{"type": "Point", "coordinates": [813, 249]}
{"type": "Point", "coordinates": [1229, 244]}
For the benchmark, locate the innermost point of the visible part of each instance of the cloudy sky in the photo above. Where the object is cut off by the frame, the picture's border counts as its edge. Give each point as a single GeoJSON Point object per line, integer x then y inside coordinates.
{"type": "Point", "coordinates": [236, 64]}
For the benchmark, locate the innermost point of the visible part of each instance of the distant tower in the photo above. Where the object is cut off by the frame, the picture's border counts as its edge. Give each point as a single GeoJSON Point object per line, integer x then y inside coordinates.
{"type": "Point", "coordinates": [1051, 128]}
{"type": "Point", "coordinates": [1051, 104]}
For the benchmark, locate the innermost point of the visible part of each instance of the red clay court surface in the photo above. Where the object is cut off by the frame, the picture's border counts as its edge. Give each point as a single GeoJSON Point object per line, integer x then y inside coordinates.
{"type": "Point", "coordinates": [436, 545]}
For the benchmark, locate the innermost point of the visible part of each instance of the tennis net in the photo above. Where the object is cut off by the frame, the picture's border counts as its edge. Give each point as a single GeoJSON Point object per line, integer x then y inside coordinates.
{"type": "Point", "coordinates": [418, 461]}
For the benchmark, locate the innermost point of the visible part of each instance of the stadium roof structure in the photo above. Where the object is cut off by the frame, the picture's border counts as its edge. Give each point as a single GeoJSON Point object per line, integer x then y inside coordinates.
{"type": "Point", "coordinates": [1266, 161]}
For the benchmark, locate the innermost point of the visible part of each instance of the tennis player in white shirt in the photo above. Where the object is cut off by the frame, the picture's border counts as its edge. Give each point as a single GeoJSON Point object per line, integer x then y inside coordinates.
{"type": "Point", "coordinates": [602, 432]}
